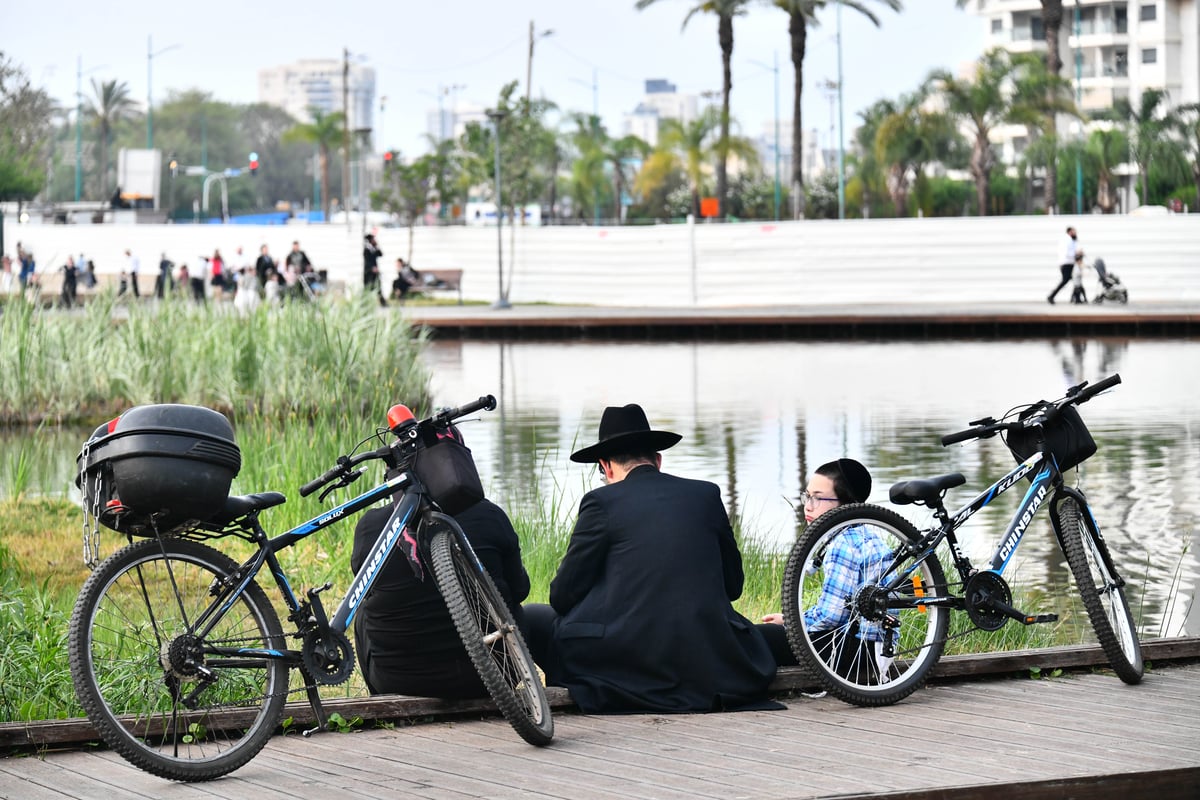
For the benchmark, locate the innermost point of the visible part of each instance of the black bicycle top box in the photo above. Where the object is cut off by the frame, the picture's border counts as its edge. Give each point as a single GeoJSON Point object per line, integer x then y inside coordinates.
{"type": "Point", "coordinates": [158, 467]}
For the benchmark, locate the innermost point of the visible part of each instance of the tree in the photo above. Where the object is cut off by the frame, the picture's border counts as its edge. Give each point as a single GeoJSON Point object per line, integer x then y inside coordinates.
{"type": "Point", "coordinates": [1052, 17]}
{"type": "Point", "coordinates": [1149, 126]}
{"type": "Point", "coordinates": [111, 105]}
{"type": "Point", "coordinates": [325, 131]}
{"type": "Point", "coordinates": [1105, 149]}
{"type": "Point", "coordinates": [725, 11]}
{"type": "Point", "coordinates": [907, 139]}
{"type": "Point", "coordinates": [686, 147]}
{"type": "Point", "coordinates": [406, 189]}
{"type": "Point", "coordinates": [1005, 89]}
{"type": "Point", "coordinates": [802, 14]}
{"type": "Point", "coordinates": [1188, 125]}
{"type": "Point", "coordinates": [26, 128]}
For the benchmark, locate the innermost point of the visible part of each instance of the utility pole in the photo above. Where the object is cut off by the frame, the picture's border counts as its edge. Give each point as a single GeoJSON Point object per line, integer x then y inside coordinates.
{"type": "Point", "coordinates": [529, 63]}
{"type": "Point", "coordinates": [841, 122]}
{"type": "Point", "coordinates": [1078, 102]}
{"type": "Point", "coordinates": [346, 134]}
{"type": "Point", "coordinates": [497, 116]}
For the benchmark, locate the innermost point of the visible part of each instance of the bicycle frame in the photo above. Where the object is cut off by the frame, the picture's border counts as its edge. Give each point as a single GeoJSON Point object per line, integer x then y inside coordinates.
{"type": "Point", "coordinates": [1047, 476]}
{"type": "Point", "coordinates": [385, 544]}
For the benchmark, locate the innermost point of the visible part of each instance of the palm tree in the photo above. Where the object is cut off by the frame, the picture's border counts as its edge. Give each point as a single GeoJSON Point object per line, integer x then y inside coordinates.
{"type": "Point", "coordinates": [1189, 129]}
{"type": "Point", "coordinates": [1105, 149]}
{"type": "Point", "coordinates": [111, 105]}
{"type": "Point", "coordinates": [1149, 126]}
{"type": "Point", "coordinates": [686, 147]}
{"type": "Point", "coordinates": [725, 11]}
{"type": "Point", "coordinates": [907, 139]}
{"type": "Point", "coordinates": [801, 15]}
{"type": "Point", "coordinates": [325, 131]}
{"type": "Point", "coordinates": [1006, 89]}
{"type": "Point", "coordinates": [1052, 17]}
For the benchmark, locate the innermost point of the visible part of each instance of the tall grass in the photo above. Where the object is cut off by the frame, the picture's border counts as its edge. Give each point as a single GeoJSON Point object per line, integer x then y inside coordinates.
{"type": "Point", "coordinates": [303, 361]}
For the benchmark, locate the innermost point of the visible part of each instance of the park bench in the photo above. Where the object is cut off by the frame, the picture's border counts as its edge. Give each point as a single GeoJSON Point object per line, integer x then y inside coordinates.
{"type": "Point", "coordinates": [439, 280]}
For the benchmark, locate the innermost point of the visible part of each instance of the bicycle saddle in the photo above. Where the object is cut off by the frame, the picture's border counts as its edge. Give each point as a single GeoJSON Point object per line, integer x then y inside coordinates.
{"type": "Point", "coordinates": [925, 490]}
{"type": "Point", "coordinates": [239, 506]}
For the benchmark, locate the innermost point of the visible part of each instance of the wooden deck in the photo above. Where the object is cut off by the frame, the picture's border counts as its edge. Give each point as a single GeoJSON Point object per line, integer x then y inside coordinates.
{"type": "Point", "coordinates": [1084, 734]}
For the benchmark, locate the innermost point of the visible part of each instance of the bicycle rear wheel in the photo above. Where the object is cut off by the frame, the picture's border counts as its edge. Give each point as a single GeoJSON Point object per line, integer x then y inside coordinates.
{"type": "Point", "coordinates": [175, 703]}
{"type": "Point", "coordinates": [835, 612]}
{"type": "Point", "coordinates": [1104, 600]}
{"type": "Point", "coordinates": [489, 633]}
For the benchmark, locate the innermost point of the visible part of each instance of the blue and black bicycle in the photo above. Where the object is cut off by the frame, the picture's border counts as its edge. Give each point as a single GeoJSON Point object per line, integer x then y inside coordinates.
{"type": "Point", "coordinates": [866, 599]}
{"type": "Point", "coordinates": [177, 654]}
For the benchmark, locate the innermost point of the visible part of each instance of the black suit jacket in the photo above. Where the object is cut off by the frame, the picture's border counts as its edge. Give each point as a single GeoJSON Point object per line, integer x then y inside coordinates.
{"type": "Point", "coordinates": [644, 596]}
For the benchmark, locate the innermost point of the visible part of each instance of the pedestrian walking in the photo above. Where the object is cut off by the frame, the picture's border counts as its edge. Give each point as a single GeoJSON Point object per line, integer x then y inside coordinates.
{"type": "Point", "coordinates": [1067, 247]}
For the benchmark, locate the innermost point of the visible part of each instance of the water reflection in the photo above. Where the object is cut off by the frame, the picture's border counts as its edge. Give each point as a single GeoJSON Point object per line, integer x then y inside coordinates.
{"type": "Point", "coordinates": [755, 416]}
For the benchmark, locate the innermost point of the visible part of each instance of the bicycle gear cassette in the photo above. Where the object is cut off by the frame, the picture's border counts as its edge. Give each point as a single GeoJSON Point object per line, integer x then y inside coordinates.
{"type": "Point", "coordinates": [328, 656]}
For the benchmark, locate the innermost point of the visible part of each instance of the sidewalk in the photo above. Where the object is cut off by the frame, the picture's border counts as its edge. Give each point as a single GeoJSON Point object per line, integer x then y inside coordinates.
{"type": "Point", "coordinates": [905, 319]}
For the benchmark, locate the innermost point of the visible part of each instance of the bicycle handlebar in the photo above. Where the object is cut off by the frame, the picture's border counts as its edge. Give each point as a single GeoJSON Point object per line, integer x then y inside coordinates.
{"type": "Point", "coordinates": [440, 419]}
{"type": "Point", "coordinates": [1077, 395]}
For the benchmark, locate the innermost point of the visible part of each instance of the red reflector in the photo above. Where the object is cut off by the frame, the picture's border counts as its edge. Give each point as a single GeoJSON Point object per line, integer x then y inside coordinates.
{"type": "Point", "coordinates": [112, 424]}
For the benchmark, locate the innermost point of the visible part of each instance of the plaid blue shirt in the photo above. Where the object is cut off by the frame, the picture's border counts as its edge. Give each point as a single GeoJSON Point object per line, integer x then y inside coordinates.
{"type": "Point", "coordinates": [856, 557]}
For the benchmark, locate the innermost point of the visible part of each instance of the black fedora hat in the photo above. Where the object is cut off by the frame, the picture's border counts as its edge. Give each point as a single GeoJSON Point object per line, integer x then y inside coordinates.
{"type": "Point", "coordinates": [624, 430]}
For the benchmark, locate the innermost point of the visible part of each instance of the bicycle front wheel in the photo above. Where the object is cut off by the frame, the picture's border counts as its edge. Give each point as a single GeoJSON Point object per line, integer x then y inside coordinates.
{"type": "Point", "coordinates": [178, 702]}
{"type": "Point", "coordinates": [867, 645]}
{"type": "Point", "coordinates": [1104, 600]}
{"type": "Point", "coordinates": [489, 633]}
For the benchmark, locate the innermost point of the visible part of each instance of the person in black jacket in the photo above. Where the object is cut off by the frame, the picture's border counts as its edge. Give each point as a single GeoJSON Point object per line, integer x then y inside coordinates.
{"type": "Point", "coordinates": [405, 638]}
{"type": "Point", "coordinates": [640, 615]}
{"type": "Point", "coordinates": [371, 255]}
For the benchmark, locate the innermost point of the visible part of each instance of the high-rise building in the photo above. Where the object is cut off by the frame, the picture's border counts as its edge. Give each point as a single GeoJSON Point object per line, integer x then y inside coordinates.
{"type": "Point", "coordinates": [661, 101]}
{"type": "Point", "coordinates": [318, 83]}
{"type": "Point", "coordinates": [1121, 48]}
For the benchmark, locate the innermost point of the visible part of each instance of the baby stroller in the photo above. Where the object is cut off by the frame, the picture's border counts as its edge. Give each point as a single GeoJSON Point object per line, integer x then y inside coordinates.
{"type": "Point", "coordinates": [1111, 288]}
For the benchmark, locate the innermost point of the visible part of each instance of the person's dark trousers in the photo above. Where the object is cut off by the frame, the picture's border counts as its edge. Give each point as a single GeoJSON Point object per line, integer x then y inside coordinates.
{"type": "Point", "coordinates": [539, 631]}
{"type": "Point", "coordinates": [776, 636]}
{"type": "Point", "coordinates": [1067, 270]}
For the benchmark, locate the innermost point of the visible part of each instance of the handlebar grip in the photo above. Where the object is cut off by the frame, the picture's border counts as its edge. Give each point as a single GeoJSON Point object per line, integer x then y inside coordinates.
{"type": "Point", "coordinates": [485, 403]}
{"type": "Point", "coordinates": [317, 483]}
{"type": "Point", "coordinates": [961, 436]}
{"type": "Point", "coordinates": [1096, 388]}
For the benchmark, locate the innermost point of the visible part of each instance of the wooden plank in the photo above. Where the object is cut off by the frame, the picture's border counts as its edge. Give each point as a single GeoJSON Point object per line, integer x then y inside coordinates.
{"type": "Point", "coordinates": [1179, 784]}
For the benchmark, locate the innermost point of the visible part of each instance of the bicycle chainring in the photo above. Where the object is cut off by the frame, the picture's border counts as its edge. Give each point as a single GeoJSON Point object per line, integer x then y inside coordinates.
{"type": "Point", "coordinates": [980, 589]}
{"type": "Point", "coordinates": [328, 656]}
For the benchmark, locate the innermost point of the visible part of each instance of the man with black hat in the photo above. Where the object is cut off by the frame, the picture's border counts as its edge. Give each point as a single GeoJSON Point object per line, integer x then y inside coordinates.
{"type": "Point", "coordinates": [640, 615]}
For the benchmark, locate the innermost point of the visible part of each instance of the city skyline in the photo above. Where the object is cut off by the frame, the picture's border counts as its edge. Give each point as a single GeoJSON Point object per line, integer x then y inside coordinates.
{"type": "Point", "coordinates": [589, 59]}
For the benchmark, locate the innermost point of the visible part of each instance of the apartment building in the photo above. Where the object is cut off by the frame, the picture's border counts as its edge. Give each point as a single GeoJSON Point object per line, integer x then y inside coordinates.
{"type": "Point", "coordinates": [319, 83]}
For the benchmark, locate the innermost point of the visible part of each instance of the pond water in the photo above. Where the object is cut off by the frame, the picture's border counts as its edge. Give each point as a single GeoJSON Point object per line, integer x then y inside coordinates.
{"type": "Point", "coordinates": [757, 416]}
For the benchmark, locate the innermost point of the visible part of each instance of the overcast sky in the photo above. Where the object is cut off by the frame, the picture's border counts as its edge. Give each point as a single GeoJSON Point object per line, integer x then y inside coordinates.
{"type": "Point", "coordinates": [416, 47]}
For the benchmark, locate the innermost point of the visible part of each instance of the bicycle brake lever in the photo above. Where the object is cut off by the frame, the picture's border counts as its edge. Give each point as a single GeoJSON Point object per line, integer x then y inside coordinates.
{"type": "Point", "coordinates": [347, 479]}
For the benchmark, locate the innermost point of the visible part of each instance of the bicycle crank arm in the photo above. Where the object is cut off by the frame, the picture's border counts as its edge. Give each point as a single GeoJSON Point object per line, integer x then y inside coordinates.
{"type": "Point", "coordinates": [1021, 617]}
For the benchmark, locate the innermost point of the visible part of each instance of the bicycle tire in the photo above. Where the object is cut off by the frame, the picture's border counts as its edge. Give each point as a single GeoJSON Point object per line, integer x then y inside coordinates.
{"type": "Point", "coordinates": [128, 634]}
{"type": "Point", "coordinates": [489, 633]}
{"type": "Point", "coordinates": [848, 667]}
{"type": "Point", "coordinates": [1104, 601]}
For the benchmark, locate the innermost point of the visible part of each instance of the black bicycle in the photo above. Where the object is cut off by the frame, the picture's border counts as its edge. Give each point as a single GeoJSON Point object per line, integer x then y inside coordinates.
{"type": "Point", "coordinates": [179, 658]}
{"type": "Point", "coordinates": [866, 600]}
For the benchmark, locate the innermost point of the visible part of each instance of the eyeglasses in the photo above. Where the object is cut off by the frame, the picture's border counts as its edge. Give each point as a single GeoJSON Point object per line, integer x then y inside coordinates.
{"type": "Point", "coordinates": [813, 499]}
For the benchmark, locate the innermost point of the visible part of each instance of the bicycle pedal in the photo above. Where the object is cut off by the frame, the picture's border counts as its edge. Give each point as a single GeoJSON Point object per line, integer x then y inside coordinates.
{"type": "Point", "coordinates": [1034, 619]}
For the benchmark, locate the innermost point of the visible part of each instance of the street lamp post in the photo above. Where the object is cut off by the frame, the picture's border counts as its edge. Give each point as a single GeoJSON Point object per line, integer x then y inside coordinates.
{"type": "Point", "coordinates": [841, 122]}
{"type": "Point", "coordinates": [595, 126]}
{"type": "Point", "coordinates": [1078, 101]}
{"type": "Point", "coordinates": [496, 116]}
{"type": "Point", "coordinates": [775, 69]}
{"type": "Point", "coordinates": [150, 54]}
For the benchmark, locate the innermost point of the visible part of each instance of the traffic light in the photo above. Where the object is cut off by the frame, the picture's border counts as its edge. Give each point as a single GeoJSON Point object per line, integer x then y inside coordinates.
{"type": "Point", "coordinates": [387, 158]}
{"type": "Point", "coordinates": [174, 164]}
{"type": "Point", "coordinates": [253, 163]}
